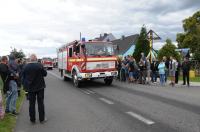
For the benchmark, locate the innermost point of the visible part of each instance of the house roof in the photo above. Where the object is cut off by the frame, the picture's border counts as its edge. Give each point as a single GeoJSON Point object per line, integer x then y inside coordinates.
{"type": "Point", "coordinates": [101, 38]}
{"type": "Point", "coordinates": [125, 43]}
{"type": "Point", "coordinates": [105, 36]}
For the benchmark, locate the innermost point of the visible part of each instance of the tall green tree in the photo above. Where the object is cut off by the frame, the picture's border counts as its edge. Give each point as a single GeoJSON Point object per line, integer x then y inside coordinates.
{"type": "Point", "coordinates": [191, 36]}
{"type": "Point", "coordinates": [18, 54]}
{"type": "Point", "coordinates": [142, 44]}
{"type": "Point", "coordinates": [168, 50]}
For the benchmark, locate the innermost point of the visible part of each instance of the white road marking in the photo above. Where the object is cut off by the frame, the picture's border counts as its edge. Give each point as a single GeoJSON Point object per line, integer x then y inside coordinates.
{"type": "Point", "coordinates": [87, 91]}
{"type": "Point", "coordinates": [90, 91]}
{"type": "Point", "coordinates": [55, 75]}
{"type": "Point", "coordinates": [106, 101]}
{"type": "Point", "coordinates": [84, 91]}
{"type": "Point", "coordinates": [139, 117]}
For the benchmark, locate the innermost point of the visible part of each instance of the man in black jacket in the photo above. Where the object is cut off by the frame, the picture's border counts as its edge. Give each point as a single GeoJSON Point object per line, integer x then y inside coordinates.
{"type": "Point", "coordinates": [33, 79]}
{"type": "Point", "coordinates": [154, 69]}
{"type": "Point", "coordinates": [186, 70]}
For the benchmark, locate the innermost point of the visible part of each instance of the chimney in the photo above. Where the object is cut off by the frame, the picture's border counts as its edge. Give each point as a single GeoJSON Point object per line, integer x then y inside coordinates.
{"type": "Point", "coordinates": [105, 34]}
{"type": "Point", "coordinates": [100, 36]}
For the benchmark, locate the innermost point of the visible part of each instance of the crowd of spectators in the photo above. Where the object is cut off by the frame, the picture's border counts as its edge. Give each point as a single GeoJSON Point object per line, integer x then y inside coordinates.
{"type": "Point", "coordinates": [148, 71]}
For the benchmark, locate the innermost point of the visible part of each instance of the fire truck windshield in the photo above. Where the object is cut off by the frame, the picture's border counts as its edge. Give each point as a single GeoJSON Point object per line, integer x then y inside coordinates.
{"type": "Point", "coordinates": [47, 59]}
{"type": "Point", "coordinates": [99, 49]}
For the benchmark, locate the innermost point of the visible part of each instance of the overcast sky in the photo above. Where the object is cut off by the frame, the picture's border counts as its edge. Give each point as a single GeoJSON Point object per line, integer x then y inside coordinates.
{"type": "Point", "coordinates": [41, 26]}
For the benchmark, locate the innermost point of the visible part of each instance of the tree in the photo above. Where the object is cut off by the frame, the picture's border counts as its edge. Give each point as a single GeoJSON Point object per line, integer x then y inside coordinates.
{"type": "Point", "coordinates": [168, 50]}
{"type": "Point", "coordinates": [18, 54]}
{"type": "Point", "coordinates": [142, 44]}
{"type": "Point", "coordinates": [191, 36]}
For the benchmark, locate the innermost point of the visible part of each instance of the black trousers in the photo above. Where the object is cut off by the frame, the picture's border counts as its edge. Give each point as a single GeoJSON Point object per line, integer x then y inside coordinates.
{"type": "Point", "coordinates": [186, 75]}
{"type": "Point", "coordinates": [39, 95]}
{"type": "Point", "coordinates": [176, 76]}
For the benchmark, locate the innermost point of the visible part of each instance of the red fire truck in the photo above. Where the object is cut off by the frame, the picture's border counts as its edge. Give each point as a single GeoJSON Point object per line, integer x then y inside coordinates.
{"type": "Point", "coordinates": [47, 63]}
{"type": "Point", "coordinates": [80, 60]}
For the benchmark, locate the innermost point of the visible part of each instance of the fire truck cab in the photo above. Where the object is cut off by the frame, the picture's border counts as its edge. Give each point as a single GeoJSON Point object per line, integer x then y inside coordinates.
{"type": "Point", "coordinates": [47, 63]}
{"type": "Point", "coordinates": [81, 61]}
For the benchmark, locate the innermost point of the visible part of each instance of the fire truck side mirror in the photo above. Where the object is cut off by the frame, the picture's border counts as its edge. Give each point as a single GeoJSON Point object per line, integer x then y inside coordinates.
{"type": "Point", "coordinates": [83, 49]}
{"type": "Point", "coordinates": [74, 48]}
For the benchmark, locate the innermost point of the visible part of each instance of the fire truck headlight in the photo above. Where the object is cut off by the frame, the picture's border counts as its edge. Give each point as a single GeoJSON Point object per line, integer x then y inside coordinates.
{"type": "Point", "coordinates": [88, 75]}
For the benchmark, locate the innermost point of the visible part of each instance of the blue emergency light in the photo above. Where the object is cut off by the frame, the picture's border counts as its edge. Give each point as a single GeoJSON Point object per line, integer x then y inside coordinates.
{"type": "Point", "coordinates": [83, 39]}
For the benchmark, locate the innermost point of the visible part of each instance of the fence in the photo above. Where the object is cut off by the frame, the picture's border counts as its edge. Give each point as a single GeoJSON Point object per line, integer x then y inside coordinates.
{"type": "Point", "coordinates": [195, 65]}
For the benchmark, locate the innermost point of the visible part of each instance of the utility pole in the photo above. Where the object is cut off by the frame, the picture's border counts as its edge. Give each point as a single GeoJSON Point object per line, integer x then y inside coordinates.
{"type": "Point", "coordinates": [151, 35]}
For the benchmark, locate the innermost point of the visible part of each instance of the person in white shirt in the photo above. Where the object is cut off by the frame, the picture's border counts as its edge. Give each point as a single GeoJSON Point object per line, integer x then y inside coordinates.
{"type": "Point", "coordinates": [172, 70]}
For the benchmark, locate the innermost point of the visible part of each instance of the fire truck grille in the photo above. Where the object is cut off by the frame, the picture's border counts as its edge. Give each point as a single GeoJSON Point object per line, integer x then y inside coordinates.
{"type": "Point", "coordinates": [100, 65]}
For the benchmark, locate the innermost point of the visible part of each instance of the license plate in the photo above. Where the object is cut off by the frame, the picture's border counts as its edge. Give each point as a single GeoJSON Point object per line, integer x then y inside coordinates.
{"type": "Point", "coordinates": [102, 75]}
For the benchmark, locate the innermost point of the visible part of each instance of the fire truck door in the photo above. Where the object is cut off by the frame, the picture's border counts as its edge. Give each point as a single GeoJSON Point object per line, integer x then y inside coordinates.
{"type": "Point", "coordinates": [64, 59]}
{"type": "Point", "coordinates": [60, 60]}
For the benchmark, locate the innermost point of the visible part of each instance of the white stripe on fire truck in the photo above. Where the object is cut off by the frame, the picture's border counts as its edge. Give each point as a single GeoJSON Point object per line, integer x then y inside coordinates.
{"type": "Point", "coordinates": [99, 59]}
{"type": "Point", "coordinates": [92, 59]}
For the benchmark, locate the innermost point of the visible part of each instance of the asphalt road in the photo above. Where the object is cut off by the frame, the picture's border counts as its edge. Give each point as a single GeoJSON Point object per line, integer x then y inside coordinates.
{"type": "Point", "coordinates": [121, 107]}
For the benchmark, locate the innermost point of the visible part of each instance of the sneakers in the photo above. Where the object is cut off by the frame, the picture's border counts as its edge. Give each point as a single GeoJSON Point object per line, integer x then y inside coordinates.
{"type": "Point", "coordinates": [7, 111]}
{"type": "Point", "coordinates": [15, 113]}
{"type": "Point", "coordinates": [12, 113]}
{"type": "Point", "coordinates": [44, 121]}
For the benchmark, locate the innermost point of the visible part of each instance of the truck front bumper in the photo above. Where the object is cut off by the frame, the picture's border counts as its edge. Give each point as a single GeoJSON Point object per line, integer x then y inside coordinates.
{"type": "Point", "coordinates": [97, 75]}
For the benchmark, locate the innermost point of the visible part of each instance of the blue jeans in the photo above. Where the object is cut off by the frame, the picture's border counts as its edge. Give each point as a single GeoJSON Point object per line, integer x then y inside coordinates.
{"type": "Point", "coordinates": [162, 79]}
{"type": "Point", "coordinates": [12, 95]}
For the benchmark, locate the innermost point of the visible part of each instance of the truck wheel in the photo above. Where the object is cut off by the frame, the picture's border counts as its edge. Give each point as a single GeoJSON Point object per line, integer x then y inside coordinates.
{"type": "Point", "coordinates": [108, 81]}
{"type": "Point", "coordinates": [75, 80]}
{"type": "Point", "coordinates": [61, 73]}
{"type": "Point", "coordinates": [66, 78]}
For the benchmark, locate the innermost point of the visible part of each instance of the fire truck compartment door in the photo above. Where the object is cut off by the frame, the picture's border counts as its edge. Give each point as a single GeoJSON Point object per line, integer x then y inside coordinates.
{"type": "Point", "coordinates": [60, 58]}
{"type": "Point", "coordinates": [64, 60]}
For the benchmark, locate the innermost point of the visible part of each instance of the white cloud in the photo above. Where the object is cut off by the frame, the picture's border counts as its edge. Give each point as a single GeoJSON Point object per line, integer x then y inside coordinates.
{"type": "Point", "coordinates": [41, 26]}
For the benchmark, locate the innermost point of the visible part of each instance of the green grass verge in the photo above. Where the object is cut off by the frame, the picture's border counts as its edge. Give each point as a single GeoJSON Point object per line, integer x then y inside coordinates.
{"type": "Point", "coordinates": [9, 121]}
{"type": "Point", "coordinates": [195, 79]}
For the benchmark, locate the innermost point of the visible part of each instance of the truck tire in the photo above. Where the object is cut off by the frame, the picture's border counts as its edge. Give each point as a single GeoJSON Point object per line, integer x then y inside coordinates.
{"type": "Point", "coordinates": [66, 78]}
{"type": "Point", "coordinates": [76, 82]}
{"type": "Point", "coordinates": [61, 72]}
{"type": "Point", "coordinates": [108, 81]}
